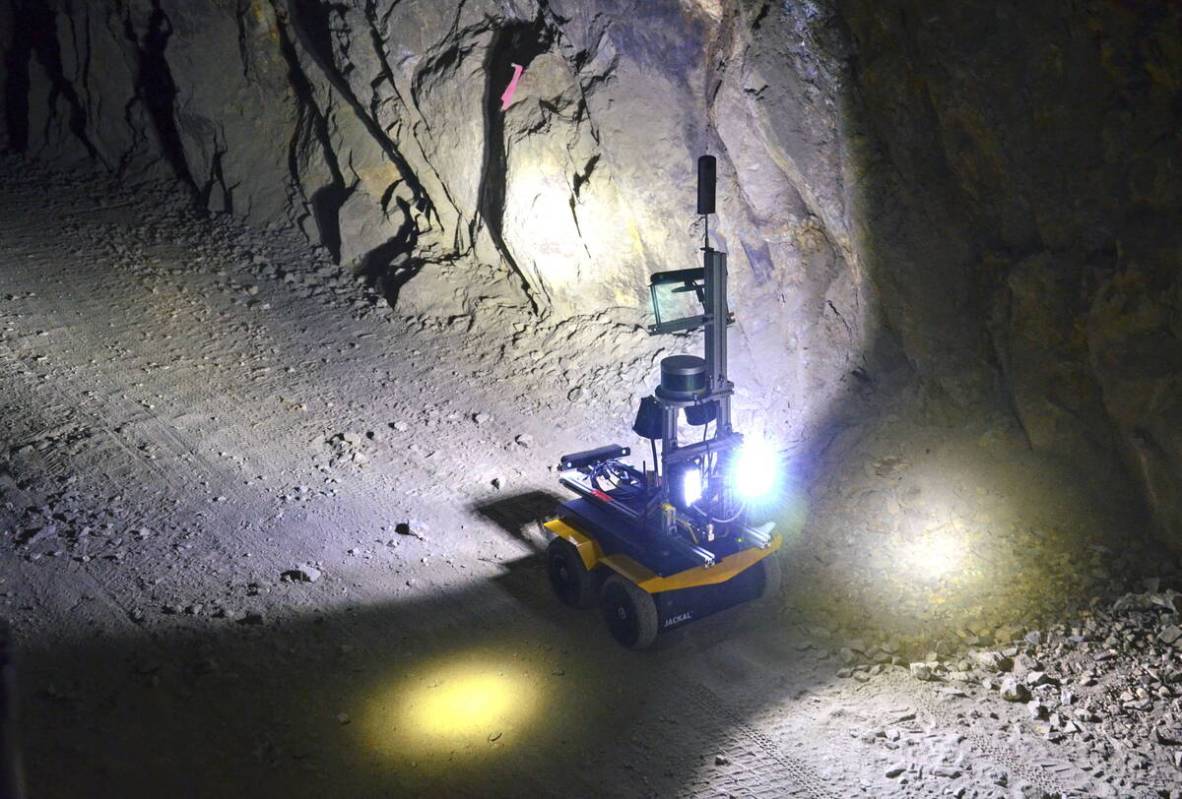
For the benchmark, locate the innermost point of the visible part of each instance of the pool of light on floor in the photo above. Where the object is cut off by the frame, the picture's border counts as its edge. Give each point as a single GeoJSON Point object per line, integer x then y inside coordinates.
{"type": "Point", "coordinates": [470, 704]}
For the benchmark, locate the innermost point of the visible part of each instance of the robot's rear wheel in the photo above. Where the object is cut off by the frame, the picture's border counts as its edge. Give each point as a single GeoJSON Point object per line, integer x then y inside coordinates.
{"type": "Point", "coordinates": [574, 584]}
{"type": "Point", "coordinates": [630, 613]}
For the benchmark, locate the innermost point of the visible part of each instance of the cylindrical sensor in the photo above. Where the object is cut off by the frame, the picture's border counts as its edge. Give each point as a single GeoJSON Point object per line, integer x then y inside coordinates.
{"type": "Point", "coordinates": [707, 177]}
{"type": "Point", "coordinates": [683, 377]}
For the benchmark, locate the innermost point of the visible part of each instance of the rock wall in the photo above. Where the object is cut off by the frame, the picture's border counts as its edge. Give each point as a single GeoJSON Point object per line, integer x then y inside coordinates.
{"type": "Point", "coordinates": [992, 186]}
{"type": "Point", "coordinates": [1018, 212]}
{"type": "Point", "coordinates": [377, 129]}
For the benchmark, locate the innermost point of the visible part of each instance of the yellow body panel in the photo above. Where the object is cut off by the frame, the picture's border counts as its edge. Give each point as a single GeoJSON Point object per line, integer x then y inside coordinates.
{"type": "Point", "coordinates": [588, 549]}
{"type": "Point", "coordinates": [643, 577]}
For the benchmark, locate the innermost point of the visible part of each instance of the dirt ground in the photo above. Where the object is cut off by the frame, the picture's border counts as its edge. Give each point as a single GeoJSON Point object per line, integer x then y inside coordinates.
{"type": "Point", "coordinates": [263, 536]}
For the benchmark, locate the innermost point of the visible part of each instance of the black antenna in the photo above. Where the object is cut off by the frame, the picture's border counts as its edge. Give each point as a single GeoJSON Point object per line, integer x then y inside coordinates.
{"type": "Point", "coordinates": [707, 177]}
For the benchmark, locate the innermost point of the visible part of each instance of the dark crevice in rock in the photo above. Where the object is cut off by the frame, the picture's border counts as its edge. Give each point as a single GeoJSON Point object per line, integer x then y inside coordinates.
{"type": "Point", "coordinates": [35, 36]}
{"type": "Point", "coordinates": [581, 178]}
{"type": "Point", "coordinates": [392, 265]}
{"type": "Point", "coordinates": [310, 22]}
{"type": "Point", "coordinates": [243, 40]}
{"type": "Point", "coordinates": [388, 197]}
{"type": "Point", "coordinates": [326, 202]}
{"type": "Point", "coordinates": [217, 180]}
{"type": "Point", "coordinates": [85, 57]}
{"type": "Point", "coordinates": [515, 43]}
{"type": "Point", "coordinates": [377, 41]}
{"type": "Point", "coordinates": [156, 89]}
{"type": "Point", "coordinates": [326, 210]}
{"type": "Point", "coordinates": [757, 23]}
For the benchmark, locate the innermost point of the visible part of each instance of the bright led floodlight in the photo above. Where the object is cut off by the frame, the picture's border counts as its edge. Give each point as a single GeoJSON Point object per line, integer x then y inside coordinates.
{"type": "Point", "coordinates": [756, 470]}
{"type": "Point", "coordinates": [691, 485]}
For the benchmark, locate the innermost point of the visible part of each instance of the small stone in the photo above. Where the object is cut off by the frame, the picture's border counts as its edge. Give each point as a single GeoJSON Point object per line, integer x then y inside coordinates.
{"type": "Point", "coordinates": [494, 737]}
{"type": "Point", "coordinates": [304, 573]}
{"type": "Point", "coordinates": [1023, 664]}
{"type": "Point", "coordinates": [497, 483]}
{"type": "Point", "coordinates": [721, 760]}
{"type": "Point", "coordinates": [993, 661]}
{"type": "Point", "coordinates": [524, 440]}
{"type": "Point", "coordinates": [1170, 634]}
{"type": "Point", "coordinates": [1013, 691]}
{"type": "Point", "coordinates": [343, 718]}
{"type": "Point", "coordinates": [1036, 678]}
{"type": "Point", "coordinates": [575, 394]}
{"type": "Point", "coordinates": [480, 418]}
{"type": "Point", "coordinates": [922, 672]}
{"type": "Point", "coordinates": [1169, 734]}
{"type": "Point", "coordinates": [895, 771]}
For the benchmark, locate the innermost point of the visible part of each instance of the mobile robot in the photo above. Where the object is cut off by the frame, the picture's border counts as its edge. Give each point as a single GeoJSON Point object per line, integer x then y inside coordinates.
{"type": "Point", "coordinates": [658, 549]}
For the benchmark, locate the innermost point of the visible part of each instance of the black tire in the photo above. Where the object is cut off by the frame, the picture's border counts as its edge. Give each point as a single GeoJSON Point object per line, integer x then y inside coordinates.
{"type": "Point", "coordinates": [630, 613]}
{"type": "Point", "coordinates": [773, 578]}
{"type": "Point", "coordinates": [572, 582]}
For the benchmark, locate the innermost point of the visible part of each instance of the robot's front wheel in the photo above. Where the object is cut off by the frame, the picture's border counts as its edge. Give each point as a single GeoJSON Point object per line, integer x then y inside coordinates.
{"type": "Point", "coordinates": [574, 584]}
{"type": "Point", "coordinates": [630, 613]}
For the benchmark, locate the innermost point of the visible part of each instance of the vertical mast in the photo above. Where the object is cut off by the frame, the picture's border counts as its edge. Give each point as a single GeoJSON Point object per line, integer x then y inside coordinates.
{"type": "Point", "coordinates": [715, 301]}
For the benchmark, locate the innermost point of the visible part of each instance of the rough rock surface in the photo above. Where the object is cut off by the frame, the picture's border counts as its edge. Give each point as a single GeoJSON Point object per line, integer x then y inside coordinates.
{"type": "Point", "coordinates": [992, 186]}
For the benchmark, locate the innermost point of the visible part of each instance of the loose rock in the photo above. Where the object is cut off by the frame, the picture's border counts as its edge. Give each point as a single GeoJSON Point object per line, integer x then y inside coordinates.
{"type": "Point", "coordinates": [304, 573]}
{"type": "Point", "coordinates": [1013, 691]}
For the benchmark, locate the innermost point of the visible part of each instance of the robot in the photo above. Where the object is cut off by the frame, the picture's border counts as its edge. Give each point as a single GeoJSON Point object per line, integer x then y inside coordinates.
{"type": "Point", "coordinates": [659, 549]}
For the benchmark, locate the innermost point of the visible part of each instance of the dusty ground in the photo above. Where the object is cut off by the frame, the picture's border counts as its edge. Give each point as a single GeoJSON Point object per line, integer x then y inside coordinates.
{"type": "Point", "coordinates": [198, 419]}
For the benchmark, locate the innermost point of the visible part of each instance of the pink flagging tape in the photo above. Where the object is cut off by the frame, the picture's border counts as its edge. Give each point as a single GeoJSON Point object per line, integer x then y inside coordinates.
{"type": "Point", "coordinates": [507, 97]}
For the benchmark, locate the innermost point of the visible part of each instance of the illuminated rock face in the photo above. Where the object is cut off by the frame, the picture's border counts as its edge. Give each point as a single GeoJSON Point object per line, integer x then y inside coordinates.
{"type": "Point", "coordinates": [1017, 211]}
{"type": "Point", "coordinates": [991, 189]}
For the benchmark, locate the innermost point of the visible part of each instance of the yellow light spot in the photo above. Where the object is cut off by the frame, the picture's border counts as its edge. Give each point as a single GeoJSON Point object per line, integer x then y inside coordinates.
{"type": "Point", "coordinates": [472, 704]}
{"type": "Point", "coordinates": [462, 705]}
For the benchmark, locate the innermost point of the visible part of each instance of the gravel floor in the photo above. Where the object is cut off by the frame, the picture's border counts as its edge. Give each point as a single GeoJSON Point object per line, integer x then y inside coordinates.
{"type": "Point", "coordinates": [262, 535]}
